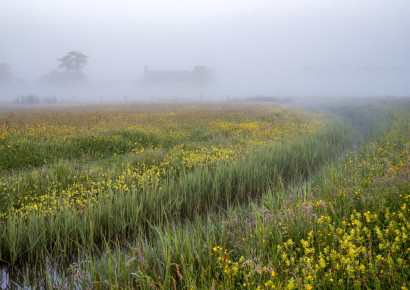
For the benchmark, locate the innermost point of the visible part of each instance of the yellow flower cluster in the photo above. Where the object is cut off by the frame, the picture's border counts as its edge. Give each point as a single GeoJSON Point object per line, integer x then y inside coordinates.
{"type": "Point", "coordinates": [151, 144]}
{"type": "Point", "coordinates": [358, 240]}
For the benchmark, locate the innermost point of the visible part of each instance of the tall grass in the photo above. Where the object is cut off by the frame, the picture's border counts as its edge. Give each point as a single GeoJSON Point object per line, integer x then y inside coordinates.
{"type": "Point", "coordinates": [179, 226]}
{"type": "Point", "coordinates": [200, 191]}
{"type": "Point", "coordinates": [348, 228]}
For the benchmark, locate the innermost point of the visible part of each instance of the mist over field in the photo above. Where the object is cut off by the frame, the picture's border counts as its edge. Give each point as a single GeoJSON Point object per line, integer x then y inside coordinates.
{"type": "Point", "coordinates": [203, 50]}
{"type": "Point", "coordinates": [230, 144]}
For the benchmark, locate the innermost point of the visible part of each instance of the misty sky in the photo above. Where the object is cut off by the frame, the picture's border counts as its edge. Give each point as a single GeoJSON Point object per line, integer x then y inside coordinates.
{"type": "Point", "coordinates": [242, 40]}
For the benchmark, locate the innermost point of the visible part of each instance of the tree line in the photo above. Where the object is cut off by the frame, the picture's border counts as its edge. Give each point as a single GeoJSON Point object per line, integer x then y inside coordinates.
{"type": "Point", "coordinates": [69, 71]}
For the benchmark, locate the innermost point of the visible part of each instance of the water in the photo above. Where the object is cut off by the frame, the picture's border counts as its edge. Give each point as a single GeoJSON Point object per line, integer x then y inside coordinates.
{"type": "Point", "coordinates": [43, 274]}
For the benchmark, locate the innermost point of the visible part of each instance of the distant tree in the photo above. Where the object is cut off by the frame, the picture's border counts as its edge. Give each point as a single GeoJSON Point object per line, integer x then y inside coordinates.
{"type": "Point", "coordinates": [50, 100]}
{"type": "Point", "coordinates": [73, 61]}
{"type": "Point", "coordinates": [69, 70]}
{"type": "Point", "coordinates": [6, 76]}
{"type": "Point", "coordinates": [28, 99]}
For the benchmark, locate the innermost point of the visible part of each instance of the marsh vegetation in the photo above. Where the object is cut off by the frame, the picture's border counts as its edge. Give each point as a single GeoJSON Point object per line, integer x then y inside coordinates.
{"type": "Point", "coordinates": [222, 195]}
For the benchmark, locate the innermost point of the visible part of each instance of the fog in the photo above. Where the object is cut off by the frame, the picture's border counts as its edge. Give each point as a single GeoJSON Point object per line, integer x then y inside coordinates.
{"type": "Point", "coordinates": [208, 50]}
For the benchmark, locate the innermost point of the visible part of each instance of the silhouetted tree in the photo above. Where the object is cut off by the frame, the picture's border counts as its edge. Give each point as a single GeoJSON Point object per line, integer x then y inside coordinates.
{"type": "Point", "coordinates": [69, 70]}
{"type": "Point", "coordinates": [28, 99]}
{"type": "Point", "coordinates": [50, 100]}
{"type": "Point", "coordinates": [73, 61]}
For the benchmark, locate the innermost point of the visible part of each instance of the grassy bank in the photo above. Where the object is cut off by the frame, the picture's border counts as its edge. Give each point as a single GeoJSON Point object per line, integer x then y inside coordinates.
{"type": "Point", "coordinates": [348, 228]}
{"type": "Point", "coordinates": [186, 209]}
{"type": "Point", "coordinates": [198, 191]}
{"type": "Point", "coordinates": [52, 211]}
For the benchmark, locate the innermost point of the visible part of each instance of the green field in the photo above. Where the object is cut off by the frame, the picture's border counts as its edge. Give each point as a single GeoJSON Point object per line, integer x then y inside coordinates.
{"type": "Point", "coordinates": [206, 196]}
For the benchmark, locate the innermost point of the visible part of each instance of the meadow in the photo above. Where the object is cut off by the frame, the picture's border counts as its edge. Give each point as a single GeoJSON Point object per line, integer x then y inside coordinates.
{"type": "Point", "coordinates": [49, 158]}
{"type": "Point", "coordinates": [206, 196]}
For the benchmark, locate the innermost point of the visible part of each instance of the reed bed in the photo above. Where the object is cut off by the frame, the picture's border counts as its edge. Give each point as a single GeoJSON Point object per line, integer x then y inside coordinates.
{"type": "Point", "coordinates": [347, 228]}
{"type": "Point", "coordinates": [199, 196]}
{"type": "Point", "coordinates": [100, 174]}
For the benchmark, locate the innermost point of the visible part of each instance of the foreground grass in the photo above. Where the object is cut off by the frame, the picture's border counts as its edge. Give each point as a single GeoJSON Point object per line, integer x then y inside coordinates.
{"type": "Point", "coordinates": [348, 228]}
{"type": "Point", "coordinates": [52, 212]}
{"type": "Point", "coordinates": [123, 149]}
